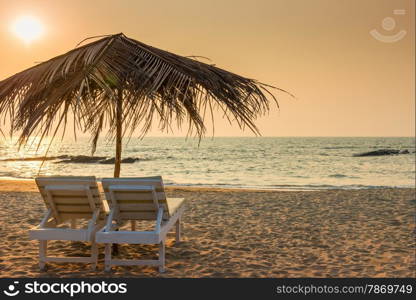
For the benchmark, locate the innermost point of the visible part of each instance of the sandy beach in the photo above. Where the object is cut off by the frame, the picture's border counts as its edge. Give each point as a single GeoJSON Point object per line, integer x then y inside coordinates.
{"type": "Point", "coordinates": [241, 233]}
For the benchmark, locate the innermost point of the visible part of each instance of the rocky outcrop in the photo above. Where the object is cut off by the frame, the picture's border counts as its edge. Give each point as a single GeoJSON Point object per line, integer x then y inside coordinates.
{"type": "Point", "coordinates": [381, 152]}
{"type": "Point", "coordinates": [108, 161]}
{"type": "Point", "coordinates": [81, 159]}
{"type": "Point", "coordinates": [128, 160]}
{"type": "Point", "coordinates": [76, 159]}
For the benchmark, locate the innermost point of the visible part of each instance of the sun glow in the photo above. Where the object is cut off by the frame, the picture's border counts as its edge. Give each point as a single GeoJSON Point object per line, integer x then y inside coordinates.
{"type": "Point", "coordinates": [27, 28]}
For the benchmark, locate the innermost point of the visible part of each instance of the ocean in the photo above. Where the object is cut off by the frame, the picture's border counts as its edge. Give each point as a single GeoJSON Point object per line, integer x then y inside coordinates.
{"type": "Point", "coordinates": [285, 163]}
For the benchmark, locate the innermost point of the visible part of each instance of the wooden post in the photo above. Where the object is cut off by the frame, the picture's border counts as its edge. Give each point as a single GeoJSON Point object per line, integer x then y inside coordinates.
{"type": "Point", "coordinates": [119, 116]}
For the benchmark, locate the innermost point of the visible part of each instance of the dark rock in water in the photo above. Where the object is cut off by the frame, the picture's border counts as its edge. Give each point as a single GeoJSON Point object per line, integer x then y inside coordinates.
{"type": "Point", "coordinates": [78, 159]}
{"type": "Point", "coordinates": [81, 159]}
{"type": "Point", "coordinates": [108, 161]}
{"type": "Point", "coordinates": [127, 160]}
{"type": "Point", "coordinates": [381, 152]}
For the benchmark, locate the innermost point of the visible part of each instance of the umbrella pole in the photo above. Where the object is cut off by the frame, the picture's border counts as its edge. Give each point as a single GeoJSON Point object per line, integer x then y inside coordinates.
{"type": "Point", "coordinates": [118, 133]}
{"type": "Point", "coordinates": [117, 161]}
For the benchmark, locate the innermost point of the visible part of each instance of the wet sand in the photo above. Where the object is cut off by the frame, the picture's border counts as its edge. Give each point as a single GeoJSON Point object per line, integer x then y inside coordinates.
{"type": "Point", "coordinates": [240, 233]}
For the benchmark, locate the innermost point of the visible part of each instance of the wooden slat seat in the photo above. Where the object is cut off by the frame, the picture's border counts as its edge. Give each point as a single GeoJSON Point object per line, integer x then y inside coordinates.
{"type": "Point", "coordinates": [139, 199]}
{"type": "Point", "coordinates": [69, 199]}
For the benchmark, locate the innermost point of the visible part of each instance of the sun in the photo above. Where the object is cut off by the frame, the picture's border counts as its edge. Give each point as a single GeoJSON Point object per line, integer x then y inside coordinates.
{"type": "Point", "coordinates": [27, 28]}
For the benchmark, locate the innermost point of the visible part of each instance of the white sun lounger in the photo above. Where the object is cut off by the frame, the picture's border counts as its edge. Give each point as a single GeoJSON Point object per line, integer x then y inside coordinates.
{"type": "Point", "coordinates": [139, 199]}
{"type": "Point", "coordinates": [69, 199]}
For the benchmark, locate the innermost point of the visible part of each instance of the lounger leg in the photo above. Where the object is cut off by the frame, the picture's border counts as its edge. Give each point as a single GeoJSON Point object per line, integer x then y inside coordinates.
{"type": "Point", "coordinates": [162, 257]}
{"type": "Point", "coordinates": [178, 231]}
{"type": "Point", "coordinates": [43, 245]}
{"type": "Point", "coordinates": [133, 225]}
{"type": "Point", "coordinates": [94, 255]}
{"type": "Point", "coordinates": [107, 258]}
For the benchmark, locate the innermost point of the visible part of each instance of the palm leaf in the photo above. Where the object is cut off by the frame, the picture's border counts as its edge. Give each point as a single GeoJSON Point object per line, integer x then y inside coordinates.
{"type": "Point", "coordinates": [84, 83]}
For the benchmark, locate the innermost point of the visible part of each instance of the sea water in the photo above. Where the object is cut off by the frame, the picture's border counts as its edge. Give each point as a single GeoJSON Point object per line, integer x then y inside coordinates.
{"type": "Point", "coordinates": [238, 162]}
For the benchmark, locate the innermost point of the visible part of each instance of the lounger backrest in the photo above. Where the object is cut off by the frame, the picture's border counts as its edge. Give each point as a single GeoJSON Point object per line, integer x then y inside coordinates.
{"type": "Point", "coordinates": [71, 197]}
{"type": "Point", "coordinates": [137, 204]}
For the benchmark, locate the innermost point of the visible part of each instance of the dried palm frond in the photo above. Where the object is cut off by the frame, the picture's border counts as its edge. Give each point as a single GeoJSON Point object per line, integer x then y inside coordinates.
{"type": "Point", "coordinates": [88, 82]}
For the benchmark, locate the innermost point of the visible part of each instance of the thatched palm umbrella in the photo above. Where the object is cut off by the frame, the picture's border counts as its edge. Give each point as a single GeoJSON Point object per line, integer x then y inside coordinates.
{"type": "Point", "coordinates": [122, 84]}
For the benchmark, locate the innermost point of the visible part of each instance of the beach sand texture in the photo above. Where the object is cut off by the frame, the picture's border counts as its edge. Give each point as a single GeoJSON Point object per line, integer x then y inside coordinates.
{"type": "Point", "coordinates": [240, 233]}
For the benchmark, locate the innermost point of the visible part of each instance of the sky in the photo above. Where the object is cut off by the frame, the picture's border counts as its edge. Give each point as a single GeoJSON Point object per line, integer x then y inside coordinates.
{"type": "Point", "coordinates": [347, 82]}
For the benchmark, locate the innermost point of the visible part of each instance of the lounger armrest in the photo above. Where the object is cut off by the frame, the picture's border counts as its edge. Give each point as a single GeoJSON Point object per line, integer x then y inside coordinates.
{"type": "Point", "coordinates": [93, 220]}
{"type": "Point", "coordinates": [45, 218]}
{"type": "Point", "coordinates": [108, 225]}
{"type": "Point", "coordinates": [159, 219]}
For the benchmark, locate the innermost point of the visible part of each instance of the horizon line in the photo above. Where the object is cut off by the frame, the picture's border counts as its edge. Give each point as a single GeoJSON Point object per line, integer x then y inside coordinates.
{"type": "Point", "coordinates": [236, 136]}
